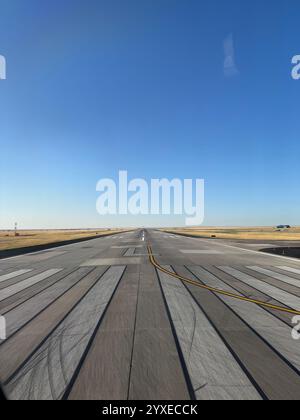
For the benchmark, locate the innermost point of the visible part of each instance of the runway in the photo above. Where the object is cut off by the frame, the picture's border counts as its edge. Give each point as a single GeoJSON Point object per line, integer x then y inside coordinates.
{"type": "Point", "coordinates": [114, 319]}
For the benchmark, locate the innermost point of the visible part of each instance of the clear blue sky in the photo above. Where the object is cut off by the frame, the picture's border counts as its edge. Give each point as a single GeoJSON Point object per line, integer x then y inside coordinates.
{"type": "Point", "coordinates": [97, 86]}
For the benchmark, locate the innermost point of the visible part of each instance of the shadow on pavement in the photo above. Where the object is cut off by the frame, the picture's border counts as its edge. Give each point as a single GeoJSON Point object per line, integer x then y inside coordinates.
{"type": "Point", "coordinates": [285, 251]}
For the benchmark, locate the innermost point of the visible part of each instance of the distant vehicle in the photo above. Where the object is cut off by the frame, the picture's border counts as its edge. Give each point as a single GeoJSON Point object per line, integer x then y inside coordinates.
{"type": "Point", "coordinates": [284, 227]}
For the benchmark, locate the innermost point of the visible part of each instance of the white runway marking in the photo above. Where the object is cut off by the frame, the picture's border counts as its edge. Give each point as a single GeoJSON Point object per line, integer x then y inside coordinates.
{"type": "Point", "coordinates": [290, 269]}
{"type": "Point", "coordinates": [9, 291]}
{"type": "Point", "coordinates": [45, 375]}
{"type": "Point", "coordinates": [41, 256]}
{"type": "Point", "coordinates": [273, 274]}
{"type": "Point", "coordinates": [126, 246]}
{"type": "Point", "coordinates": [112, 261]}
{"type": "Point", "coordinates": [201, 251]}
{"type": "Point", "coordinates": [272, 291]}
{"type": "Point", "coordinates": [252, 251]}
{"type": "Point", "coordinates": [12, 275]}
{"type": "Point", "coordinates": [130, 252]}
{"type": "Point", "coordinates": [270, 328]}
{"type": "Point", "coordinates": [214, 372]}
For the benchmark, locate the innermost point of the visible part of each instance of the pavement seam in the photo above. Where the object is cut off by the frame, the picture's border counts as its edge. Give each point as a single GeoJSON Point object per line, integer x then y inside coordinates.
{"type": "Point", "coordinates": [49, 304]}
{"type": "Point", "coordinates": [177, 344]}
{"type": "Point", "coordinates": [226, 343]}
{"type": "Point", "coordinates": [52, 330]}
{"type": "Point", "coordinates": [134, 337]}
{"type": "Point", "coordinates": [268, 310]}
{"type": "Point", "coordinates": [219, 291]}
{"type": "Point", "coordinates": [255, 332]}
{"type": "Point", "coordinates": [91, 340]}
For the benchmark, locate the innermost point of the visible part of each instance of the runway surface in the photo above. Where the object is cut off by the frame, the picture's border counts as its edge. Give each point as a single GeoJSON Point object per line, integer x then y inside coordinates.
{"type": "Point", "coordinates": [98, 320]}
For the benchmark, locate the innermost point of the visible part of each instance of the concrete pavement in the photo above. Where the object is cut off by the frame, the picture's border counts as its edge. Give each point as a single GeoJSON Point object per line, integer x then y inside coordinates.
{"type": "Point", "coordinates": [96, 320]}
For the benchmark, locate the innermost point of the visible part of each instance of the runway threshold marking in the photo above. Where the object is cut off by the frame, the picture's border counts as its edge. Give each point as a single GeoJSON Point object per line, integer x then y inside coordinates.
{"type": "Point", "coordinates": [9, 276]}
{"type": "Point", "coordinates": [218, 291]}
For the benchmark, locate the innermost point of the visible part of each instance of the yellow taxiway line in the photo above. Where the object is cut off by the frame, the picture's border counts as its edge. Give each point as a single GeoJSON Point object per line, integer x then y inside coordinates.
{"type": "Point", "coordinates": [218, 291]}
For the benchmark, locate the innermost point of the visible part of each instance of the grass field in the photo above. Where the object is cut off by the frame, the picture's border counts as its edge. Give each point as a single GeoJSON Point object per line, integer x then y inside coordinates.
{"type": "Point", "coordinates": [245, 233]}
{"type": "Point", "coordinates": [28, 238]}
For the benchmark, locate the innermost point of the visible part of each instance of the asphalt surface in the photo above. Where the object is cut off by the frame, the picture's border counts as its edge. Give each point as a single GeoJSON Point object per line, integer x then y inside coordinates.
{"type": "Point", "coordinates": [97, 320]}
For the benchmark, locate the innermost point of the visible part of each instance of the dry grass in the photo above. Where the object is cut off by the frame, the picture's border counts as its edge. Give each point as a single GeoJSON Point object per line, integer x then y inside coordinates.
{"type": "Point", "coordinates": [28, 238]}
{"type": "Point", "coordinates": [255, 233]}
